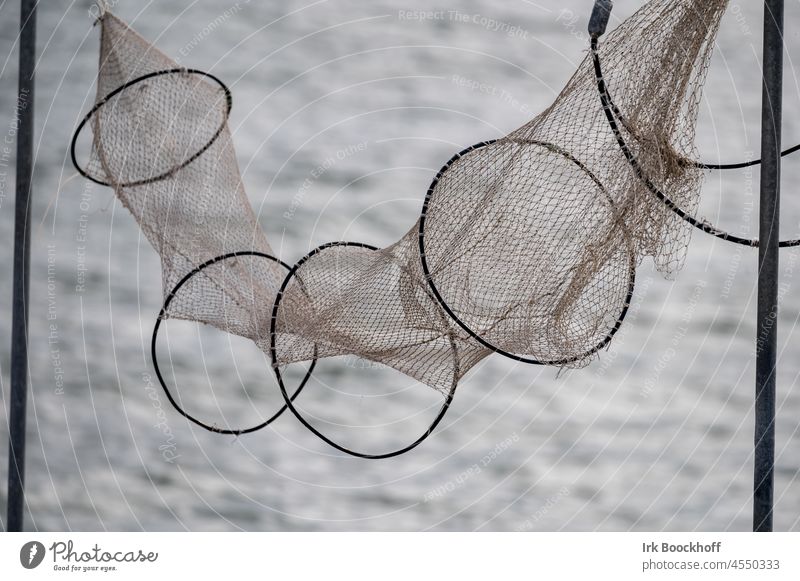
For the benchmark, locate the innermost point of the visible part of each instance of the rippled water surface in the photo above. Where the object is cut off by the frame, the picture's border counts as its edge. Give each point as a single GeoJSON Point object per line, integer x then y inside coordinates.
{"type": "Point", "coordinates": [656, 435]}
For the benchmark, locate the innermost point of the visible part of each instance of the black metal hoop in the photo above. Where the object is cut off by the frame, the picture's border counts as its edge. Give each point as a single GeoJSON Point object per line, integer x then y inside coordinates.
{"type": "Point", "coordinates": [118, 90]}
{"type": "Point", "coordinates": [162, 316]}
{"type": "Point", "coordinates": [612, 112]}
{"type": "Point", "coordinates": [288, 400]}
{"type": "Point", "coordinates": [443, 303]}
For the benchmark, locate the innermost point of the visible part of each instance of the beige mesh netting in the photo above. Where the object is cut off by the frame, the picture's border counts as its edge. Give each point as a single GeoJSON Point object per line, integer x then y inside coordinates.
{"type": "Point", "coordinates": [526, 245]}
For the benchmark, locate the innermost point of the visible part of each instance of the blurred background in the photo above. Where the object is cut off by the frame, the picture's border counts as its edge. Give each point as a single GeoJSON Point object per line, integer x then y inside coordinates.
{"type": "Point", "coordinates": [343, 113]}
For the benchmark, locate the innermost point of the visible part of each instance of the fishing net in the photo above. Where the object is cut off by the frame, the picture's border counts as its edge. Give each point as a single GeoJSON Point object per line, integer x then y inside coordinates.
{"type": "Point", "coordinates": [526, 245]}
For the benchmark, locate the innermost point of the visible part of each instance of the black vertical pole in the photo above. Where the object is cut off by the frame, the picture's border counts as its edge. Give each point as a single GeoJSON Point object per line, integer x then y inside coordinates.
{"type": "Point", "coordinates": [22, 239]}
{"type": "Point", "coordinates": [767, 342]}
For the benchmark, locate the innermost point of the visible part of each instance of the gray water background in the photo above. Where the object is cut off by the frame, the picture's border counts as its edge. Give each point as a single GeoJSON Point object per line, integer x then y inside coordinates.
{"type": "Point", "coordinates": [656, 435]}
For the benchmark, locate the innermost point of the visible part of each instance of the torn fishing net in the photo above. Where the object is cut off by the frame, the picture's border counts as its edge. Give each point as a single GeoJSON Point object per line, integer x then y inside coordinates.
{"type": "Point", "coordinates": [526, 246]}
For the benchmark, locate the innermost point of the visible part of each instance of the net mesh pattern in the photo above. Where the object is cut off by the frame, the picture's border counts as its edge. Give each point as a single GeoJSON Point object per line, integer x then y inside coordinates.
{"type": "Point", "coordinates": [526, 245]}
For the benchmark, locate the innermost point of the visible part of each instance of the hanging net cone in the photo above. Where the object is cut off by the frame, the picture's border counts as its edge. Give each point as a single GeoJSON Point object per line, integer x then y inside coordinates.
{"type": "Point", "coordinates": [161, 141]}
{"type": "Point", "coordinates": [526, 246]}
{"type": "Point", "coordinates": [532, 240]}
